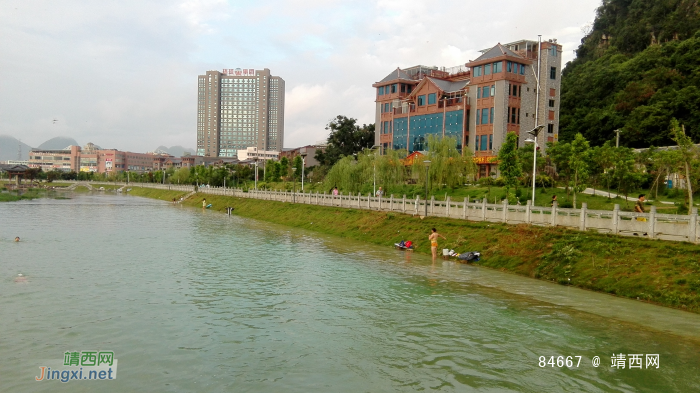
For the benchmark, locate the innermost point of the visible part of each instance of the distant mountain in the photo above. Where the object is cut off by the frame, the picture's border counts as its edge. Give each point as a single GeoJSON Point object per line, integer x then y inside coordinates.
{"type": "Point", "coordinates": [177, 151]}
{"type": "Point", "coordinates": [58, 143]}
{"type": "Point", "coordinates": [9, 147]}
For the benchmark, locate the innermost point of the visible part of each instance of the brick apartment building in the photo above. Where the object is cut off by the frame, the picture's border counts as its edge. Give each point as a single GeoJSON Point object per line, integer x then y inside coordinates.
{"type": "Point", "coordinates": [478, 103]}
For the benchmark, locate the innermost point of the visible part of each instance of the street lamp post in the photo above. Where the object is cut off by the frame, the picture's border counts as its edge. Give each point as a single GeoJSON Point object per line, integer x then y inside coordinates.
{"type": "Point", "coordinates": [427, 166]}
{"type": "Point", "coordinates": [294, 185]}
{"type": "Point", "coordinates": [256, 175]}
{"type": "Point", "coordinates": [534, 132]}
{"type": "Point", "coordinates": [303, 164]}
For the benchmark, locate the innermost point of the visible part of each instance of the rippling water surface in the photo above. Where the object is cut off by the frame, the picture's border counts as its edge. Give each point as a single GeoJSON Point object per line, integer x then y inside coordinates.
{"type": "Point", "coordinates": [193, 300]}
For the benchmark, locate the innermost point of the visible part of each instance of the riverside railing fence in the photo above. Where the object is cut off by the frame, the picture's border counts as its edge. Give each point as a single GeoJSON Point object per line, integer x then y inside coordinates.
{"type": "Point", "coordinates": [653, 225]}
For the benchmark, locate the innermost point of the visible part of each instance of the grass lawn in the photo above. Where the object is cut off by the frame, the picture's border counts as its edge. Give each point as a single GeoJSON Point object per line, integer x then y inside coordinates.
{"type": "Point", "coordinates": [165, 195]}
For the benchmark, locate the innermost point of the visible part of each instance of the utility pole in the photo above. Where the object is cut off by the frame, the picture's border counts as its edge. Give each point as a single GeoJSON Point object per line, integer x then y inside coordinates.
{"type": "Point", "coordinates": [617, 138]}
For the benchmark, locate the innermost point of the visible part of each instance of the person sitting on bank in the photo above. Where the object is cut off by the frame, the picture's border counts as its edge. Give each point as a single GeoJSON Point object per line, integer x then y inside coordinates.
{"type": "Point", "coordinates": [639, 208]}
{"type": "Point", "coordinates": [554, 199]}
{"type": "Point", "coordinates": [379, 192]}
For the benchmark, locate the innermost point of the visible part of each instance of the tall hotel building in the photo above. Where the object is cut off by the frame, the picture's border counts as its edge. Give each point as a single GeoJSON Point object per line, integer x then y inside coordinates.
{"type": "Point", "coordinates": [237, 109]}
{"type": "Point", "coordinates": [477, 103]}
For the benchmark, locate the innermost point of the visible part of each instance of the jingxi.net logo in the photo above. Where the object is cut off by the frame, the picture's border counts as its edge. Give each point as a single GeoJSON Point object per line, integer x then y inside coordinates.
{"type": "Point", "coordinates": [80, 366]}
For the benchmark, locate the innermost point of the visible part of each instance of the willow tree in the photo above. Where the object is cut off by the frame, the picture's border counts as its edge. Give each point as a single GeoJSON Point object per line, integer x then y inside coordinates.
{"type": "Point", "coordinates": [448, 167]}
{"type": "Point", "coordinates": [688, 153]}
{"type": "Point", "coordinates": [508, 162]}
{"type": "Point", "coordinates": [578, 162]}
{"type": "Point", "coordinates": [359, 171]}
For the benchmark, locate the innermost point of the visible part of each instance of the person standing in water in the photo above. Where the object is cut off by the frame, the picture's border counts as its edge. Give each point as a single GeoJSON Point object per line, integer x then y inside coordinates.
{"type": "Point", "coordinates": [433, 242]}
{"type": "Point", "coordinates": [204, 203]}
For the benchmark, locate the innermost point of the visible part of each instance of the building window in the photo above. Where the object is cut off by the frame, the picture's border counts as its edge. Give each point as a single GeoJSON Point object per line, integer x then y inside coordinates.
{"type": "Point", "coordinates": [393, 88]}
{"type": "Point", "coordinates": [553, 50]}
{"type": "Point", "coordinates": [431, 98]}
{"type": "Point", "coordinates": [387, 107]}
{"type": "Point", "coordinates": [493, 90]}
{"type": "Point", "coordinates": [380, 90]}
{"type": "Point", "coordinates": [509, 66]}
{"type": "Point", "coordinates": [408, 89]}
{"type": "Point", "coordinates": [484, 142]}
{"type": "Point", "coordinates": [486, 92]}
{"type": "Point", "coordinates": [403, 88]}
{"type": "Point", "coordinates": [522, 69]}
{"type": "Point", "coordinates": [487, 69]}
{"type": "Point", "coordinates": [476, 145]}
{"type": "Point", "coordinates": [491, 142]}
{"type": "Point", "coordinates": [491, 116]}
{"type": "Point", "coordinates": [551, 103]}
{"type": "Point", "coordinates": [513, 116]}
{"type": "Point", "coordinates": [478, 118]}
{"type": "Point", "coordinates": [421, 100]}
{"type": "Point", "coordinates": [484, 116]}
{"type": "Point", "coordinates": [550, 128]}
{"type": "Point", "coordinates": [478, 93]}
{"type": "Point", "coordinates": [477, 71]}
{"type": "Point", "coordinates": [497, 67]}
{"type": "Point", "coordinates": [553, 73]}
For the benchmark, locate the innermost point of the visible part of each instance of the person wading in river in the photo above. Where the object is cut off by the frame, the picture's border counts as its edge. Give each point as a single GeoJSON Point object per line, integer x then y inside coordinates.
{"type": "Point", "coordinates": [433, 242]}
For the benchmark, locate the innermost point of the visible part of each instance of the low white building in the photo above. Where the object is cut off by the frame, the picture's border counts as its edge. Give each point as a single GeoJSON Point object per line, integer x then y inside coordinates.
{"type": "Point", "coordinates": [252, 153]}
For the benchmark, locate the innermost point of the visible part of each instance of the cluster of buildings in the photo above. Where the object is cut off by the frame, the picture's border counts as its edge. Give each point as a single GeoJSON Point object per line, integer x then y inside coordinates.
{"type": "Point", "coordinates": [509, 88]}
{"type": "Point", "coordinates": [240, 113]}
{"type": "Point", "coordinates": [92, 158]}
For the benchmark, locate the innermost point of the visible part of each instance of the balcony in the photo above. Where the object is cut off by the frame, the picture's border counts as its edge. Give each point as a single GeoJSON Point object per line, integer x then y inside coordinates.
{"type": "Point", "coordinates": [453, 101]}
{"type": "Point", "coordinates": [404, 109]}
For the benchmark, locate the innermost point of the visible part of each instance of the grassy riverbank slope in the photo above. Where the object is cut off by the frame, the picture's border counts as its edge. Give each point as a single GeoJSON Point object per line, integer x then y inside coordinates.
{"type": "Point", "coordinates": [12, 196]}
{"type": "Point", "coordinates": [666, 273]}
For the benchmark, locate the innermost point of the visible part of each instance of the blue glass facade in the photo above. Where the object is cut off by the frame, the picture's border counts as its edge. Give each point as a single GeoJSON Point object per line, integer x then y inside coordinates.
{"type": "Point", "coordinates": [423, 125]}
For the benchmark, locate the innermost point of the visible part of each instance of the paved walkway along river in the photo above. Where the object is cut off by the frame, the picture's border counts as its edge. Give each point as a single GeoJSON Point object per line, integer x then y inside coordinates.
{"type": "Point", "coordinates": [192, 300]}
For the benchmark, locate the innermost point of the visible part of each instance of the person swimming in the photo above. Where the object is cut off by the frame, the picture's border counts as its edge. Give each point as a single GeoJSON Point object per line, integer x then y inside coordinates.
{"type": "Point", "coordinates": [17, 239]}
{"type": "Point", "coordinates": [20, 278]}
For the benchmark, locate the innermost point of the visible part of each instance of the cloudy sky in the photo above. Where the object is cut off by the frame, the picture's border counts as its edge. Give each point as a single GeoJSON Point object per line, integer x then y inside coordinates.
{"type": "Point", "coordinates": [123, 74]}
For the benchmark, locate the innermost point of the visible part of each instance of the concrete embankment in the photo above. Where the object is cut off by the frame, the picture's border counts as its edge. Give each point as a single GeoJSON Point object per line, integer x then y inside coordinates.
{"type": "Point", "coordinates": [657, 271]}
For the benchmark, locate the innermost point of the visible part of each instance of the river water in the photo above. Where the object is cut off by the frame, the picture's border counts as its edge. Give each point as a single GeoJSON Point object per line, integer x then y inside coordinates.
{"type": "Point", "coordinates": [193, 300]}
